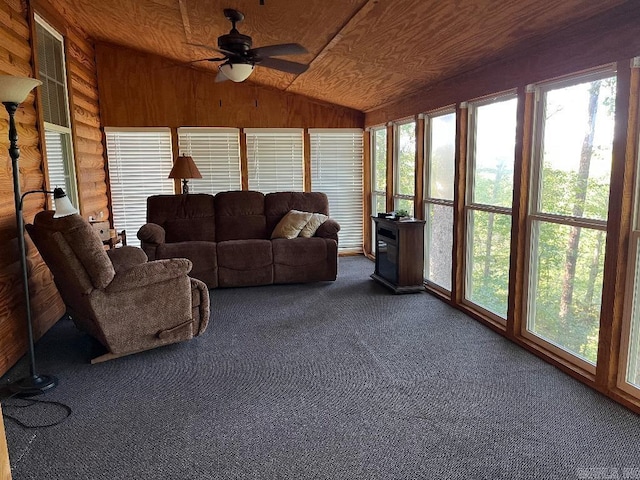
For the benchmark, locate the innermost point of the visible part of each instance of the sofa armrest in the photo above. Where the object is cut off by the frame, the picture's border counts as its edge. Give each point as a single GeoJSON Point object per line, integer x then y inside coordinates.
{"type": "Point", "coordinates": [149, 273]}
{"type": "Point", "coordinates": [151, 233]}
{"type": "Point", "coordinates": [126, 257]}
{"type": "Point", "coordinates": [329, 229]}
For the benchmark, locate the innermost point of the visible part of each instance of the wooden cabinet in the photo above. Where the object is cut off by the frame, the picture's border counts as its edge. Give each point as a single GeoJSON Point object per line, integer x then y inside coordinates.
{"type": "Point", "coordinates": [399, 253]}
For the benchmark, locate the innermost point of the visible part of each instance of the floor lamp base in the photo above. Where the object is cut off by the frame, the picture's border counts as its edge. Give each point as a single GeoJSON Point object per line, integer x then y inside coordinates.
{"type": "Point", "coordinates": [32, 386]}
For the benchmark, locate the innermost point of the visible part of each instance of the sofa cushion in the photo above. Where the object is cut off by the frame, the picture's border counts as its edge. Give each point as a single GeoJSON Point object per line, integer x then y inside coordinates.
{"type": "Point", "coordinates": [244, 262]}
{"type": "Point", "coordinates": [184, 217]}
{"type": "Point", "coordinates": [276, 205]}
{"type": "Point", "coordinates": [240, 216]}
{"type": "Point", "coordinates": [291, 224]}
{"type": "Point", "coordinates": [299, 251]}
{"type": "Point", "coordinates": [203, 255]}
{"type": "Point", "coordinates": [304, 260]}
{"type": "Point", "coordinates": [189, 229]}
{"type": "Point", "coordinates": [312, 225]}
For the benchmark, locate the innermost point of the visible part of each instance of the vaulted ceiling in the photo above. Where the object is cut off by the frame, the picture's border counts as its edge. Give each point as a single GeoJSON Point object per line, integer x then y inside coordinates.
{"type": "Point", "coordinates": [362, 53]}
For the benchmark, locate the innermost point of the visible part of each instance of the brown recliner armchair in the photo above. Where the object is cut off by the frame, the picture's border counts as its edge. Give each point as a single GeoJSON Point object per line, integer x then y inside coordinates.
{"type": "Point", "coordinates": [127, 303]}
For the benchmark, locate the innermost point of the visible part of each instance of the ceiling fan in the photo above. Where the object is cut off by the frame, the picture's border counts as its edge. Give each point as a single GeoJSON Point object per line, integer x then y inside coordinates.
{"type": "Point", "coordinates": [240, 59]}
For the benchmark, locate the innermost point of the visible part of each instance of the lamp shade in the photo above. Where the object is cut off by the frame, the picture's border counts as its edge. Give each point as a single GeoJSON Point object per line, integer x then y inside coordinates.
{"type": "Point", "coordinates": [64, 207]}
{"type": "Point", "coordinates": [15, 89]}
{"type": "Point", "coordinates": [184, 167]}
{"type": "Point", "coordinates": [236, 72]}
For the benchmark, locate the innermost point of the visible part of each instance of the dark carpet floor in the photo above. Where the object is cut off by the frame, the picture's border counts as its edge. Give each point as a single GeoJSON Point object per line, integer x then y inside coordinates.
{"type": "Point", "coordinates": [334, 380]}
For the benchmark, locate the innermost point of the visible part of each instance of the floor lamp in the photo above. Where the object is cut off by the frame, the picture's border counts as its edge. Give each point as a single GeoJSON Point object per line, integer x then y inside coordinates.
{"type": "Point", "coordinates": [14, 91]}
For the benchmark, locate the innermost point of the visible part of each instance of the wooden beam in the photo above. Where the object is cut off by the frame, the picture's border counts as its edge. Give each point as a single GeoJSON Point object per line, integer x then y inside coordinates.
{"type": "Point", "coordinates": [390, 155]}
{"type": "Point", "coordinates": [420, 158]}
{"type": "Point", "coordinates": [521, 176]}
{"type": "Point", "coordinates": [362, 12]}
{"type": "Point", "coordinates": [619, 223]}
{"type": "Point", "coordinates": [184, 14]}
{"type": "Point", "coordinates": [306, 144]}
{"type": "Point", "coordinates": [366, 191]}
{"type": "Point", "coordinates": [175, 149]}
{"type": "Point", "coordinates": [244, 163]}
{"type": "Point", "coordinates": [459, 221]}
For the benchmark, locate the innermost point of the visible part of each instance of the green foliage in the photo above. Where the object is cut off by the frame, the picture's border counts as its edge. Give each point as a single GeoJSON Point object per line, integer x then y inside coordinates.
{"type": "Point", "coordinates": [380, 160]}
{"type": "Point", "coordinates": [406, 159]}
{"type": "Point", "coordinates": [489, 285]}
{"type": "Point", "coordinates": [567, 261]}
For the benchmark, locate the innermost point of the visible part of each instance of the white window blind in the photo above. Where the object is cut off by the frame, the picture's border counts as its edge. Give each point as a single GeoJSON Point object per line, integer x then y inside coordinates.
{"type": "Point", "coordinates": [275, 159]}
{"type": "Point", "coordinates": [139, 164]}
{"type": "Point", "coordinates": [55, 106]}
{"type": "Point", "coordinates": [336, 169]}
{"type": "Point", "coordinates": [216, 153]}
{"type": "Point", "coordinates": [52, 73]}
{"type": "Point", "coordinates": [55, 142]}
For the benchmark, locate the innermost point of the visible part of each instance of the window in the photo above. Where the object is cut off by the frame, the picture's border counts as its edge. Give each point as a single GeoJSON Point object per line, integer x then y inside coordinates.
{"type": "Point", "coordinates": [405, 165]}
{"type": "Point", "coordinates": [55, 106]}
{"type": "Point", "coordinates": [336, 169]}
{"type": "Point", "coordinates": [139, 164]}
{"type": "Point", "coordinates": [568, 212]}
{"type": "Point", "coordinates": [378, 173]}
{"type": "Point", "coordinates": [440, 148]}
{"type": "Point", "coordinates": [275, 159]}
{"type": "Point", "coordinates": [378, 170]}
{"type": "Point", "coordinates": [216, 153]}
{"type": "Point", "coordinates": [629, 373]}
{"type": "Point", "coordinates": [492, 136]}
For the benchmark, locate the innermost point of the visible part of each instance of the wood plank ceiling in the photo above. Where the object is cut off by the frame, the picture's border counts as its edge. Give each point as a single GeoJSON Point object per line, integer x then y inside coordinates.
{"type": "Point", "coordinates": [362, 53]}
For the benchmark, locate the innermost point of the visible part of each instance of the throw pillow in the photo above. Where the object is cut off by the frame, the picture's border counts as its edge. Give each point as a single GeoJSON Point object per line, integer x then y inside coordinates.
{"type": "Point", "coordinates": [291, 224]}
{"type": "Point", "coordinates": [313, 224]}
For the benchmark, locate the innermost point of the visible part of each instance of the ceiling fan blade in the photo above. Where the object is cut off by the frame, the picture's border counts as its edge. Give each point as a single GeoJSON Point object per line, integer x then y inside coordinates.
{"type": "Point", "coordinates": [207, 60]}
{"type": "Point", "coordinates": [283, 65]}
{"type": "Point", "coordinates": [277, 50]}
{"type": "Point", "coordinates": [208, 47]}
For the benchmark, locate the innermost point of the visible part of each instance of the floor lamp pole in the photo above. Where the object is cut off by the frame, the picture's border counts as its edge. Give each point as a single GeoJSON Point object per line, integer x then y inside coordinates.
{"type": "Point", "coordinates": [34, 384]}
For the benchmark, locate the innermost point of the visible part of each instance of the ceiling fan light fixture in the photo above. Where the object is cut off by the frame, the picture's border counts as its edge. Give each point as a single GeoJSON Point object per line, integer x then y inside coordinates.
{"type": "Point", "coordinates": [236, 72]}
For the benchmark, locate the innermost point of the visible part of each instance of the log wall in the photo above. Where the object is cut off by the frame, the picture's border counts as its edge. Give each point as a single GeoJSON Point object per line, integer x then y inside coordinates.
{"type": "Point", "coordinates": [88, 147]}
{"type": "Point", "coordinates": [16, 39]}
{"type": "Point", "coordinates": [15, 59]}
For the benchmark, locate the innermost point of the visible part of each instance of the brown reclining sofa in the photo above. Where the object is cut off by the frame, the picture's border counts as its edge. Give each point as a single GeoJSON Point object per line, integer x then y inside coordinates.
{"type": "Point", "coordinates": [227, 237]}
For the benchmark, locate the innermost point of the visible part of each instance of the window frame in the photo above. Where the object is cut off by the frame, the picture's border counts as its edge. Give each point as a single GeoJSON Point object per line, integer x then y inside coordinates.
{"type": "Point", "coordinates": [353, 136]}
{"type": "Point", "coordinates": [169, 182]}
{"type": "Point", "coordinates": [375, 194]}
{"type": "Point", "coordinates": [218, 133]}
{"type": "Point", "coordinates": [428, 199]}
{"type": "Point", "coordinates": [396, 170]}
{"type": "Point", "coordinates": [535, 215]}
{"type": "Point", "coordinates": [471, 206]}
{"type": "Point", "coordinates": [258, 131]}
{"type": "Point", "coordinates": [632, 282]}
{"type": "Point", "coordinates": [69, 164]}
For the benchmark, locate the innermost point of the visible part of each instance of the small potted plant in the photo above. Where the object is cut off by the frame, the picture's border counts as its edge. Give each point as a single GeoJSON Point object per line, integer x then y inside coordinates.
{"type": "Point", "coordinates": [402, 214]}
